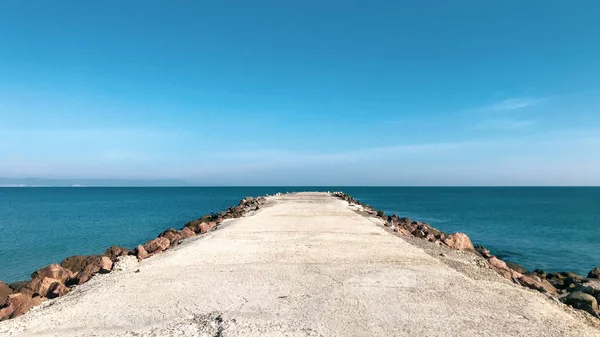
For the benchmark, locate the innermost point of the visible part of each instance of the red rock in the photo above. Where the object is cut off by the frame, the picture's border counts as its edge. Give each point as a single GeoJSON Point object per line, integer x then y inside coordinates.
{"type": "Point", "coordinates": [194, 225]}
{"type": "Point", "coordinates": [157, 245]}
{"type": "Point", "coordinates": [115, 251]}
{"type": "Point", "coordinates": [459, 241]}
{"type": "Point", "coordinates": [99, 264]}
{"type": "Point", "coordinates": [87, 273]}
{"type": "Point", "coordinates": [18, 304]}
{"type": "Point", "coordinates": [4, 292]}
{"type": "Point", "coordinates": [77, 263]}
{"type": "Point", "coordinates": [172, 235]}
{"type": "Point", "coordinates": [536, 283]}
{"type": "Point", "coordinates": [106, 265]}
{"type": "Point", "coordinates": [56, 289]}
{"type": "Point", "coordinates": [54, 271]}
{"type": "Point", "coordinates": [140, 252]}
{"type": "Point", "coordinates": [186, 233]}
{"type": "Point", "coordinates": [497, 263]}
{"type": "Point", "coordinates": [42, 286]}
{"type": "Point", "coordinates": [203, 228]}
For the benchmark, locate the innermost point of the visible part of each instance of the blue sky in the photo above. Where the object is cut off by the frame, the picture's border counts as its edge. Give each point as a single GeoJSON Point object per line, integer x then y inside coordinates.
{"type": "Point", "coordinates": [302, 92]}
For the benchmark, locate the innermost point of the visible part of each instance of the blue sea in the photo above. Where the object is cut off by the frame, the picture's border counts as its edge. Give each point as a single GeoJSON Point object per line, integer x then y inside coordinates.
{"type": "Point", "coordinates": [553, 228]}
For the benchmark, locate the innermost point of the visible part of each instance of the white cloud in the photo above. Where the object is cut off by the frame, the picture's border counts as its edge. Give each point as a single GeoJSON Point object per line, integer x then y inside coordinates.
{"type": "Point", "coordinates": [505, 125]}
{"type": "Point", "coordinates": [512, 104]}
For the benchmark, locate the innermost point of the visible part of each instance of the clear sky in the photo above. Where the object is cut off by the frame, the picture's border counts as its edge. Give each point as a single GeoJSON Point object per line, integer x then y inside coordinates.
{"type": "Point", "coordinates": [302, 92]}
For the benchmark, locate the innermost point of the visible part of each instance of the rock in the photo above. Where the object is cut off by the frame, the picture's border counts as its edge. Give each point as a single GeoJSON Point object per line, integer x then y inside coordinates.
{"type": "Point", "coordinates": [95, 264]}
{"type": "Point", "coordinates": [157, 245]}
{"type": "Point", "coordinates": [458, 241]}
{"type": "Point", "coordinates": [571, 282]}
{"type": "Point", "coordinates": [592, 287]}
{"type": "Point", "coordinates": [516, 267]}
{"type": "Point", "coordinates": [497, 263]}
{"type": "Point", "coordinates": [536, 283]}
{"type": "Point", "coordinates": [77, 263]}
{"type": "Point", "coordinates": [54, 271]}
{"type": "Point", "coordinates": [113, 252]}
{"type": "Point", "coordinates": [484, 252]}
{"type": "Point", "coordinates": [42, 286]}
{"type": "Point", "coordinates": [172, 235]}
{"type": "Point", "coordinates": [4, 292]}
{"type": "Point", "coordinates": [56, 289]}
{"type": "Point", "coordinates": [576, 278]}
{"type": "Point", "coordinates": [18, 304]}
{"type": "Point", "coordinates": [594, 273]}
{"type": "Point", "coordinates": [540, 273]}
{"type": "Point", "coordinates": [17, 286]}
{"type": "Point", "coordinates": [106, 265]}
{"type": "Point", "coordinates": [140, 252]}
{"type": "Point", "coordinates": [582, 301]}
{"type": "Point", "coordinates": [194, 225]}
{"type": "Point", "coordinates": [203, 228]}
{"type": "Point", "coordinates": [419, 234]}
{"type": "Point", "coordinates": [186, 233]}
{"type": "Point", "coordinates": [501, 268]}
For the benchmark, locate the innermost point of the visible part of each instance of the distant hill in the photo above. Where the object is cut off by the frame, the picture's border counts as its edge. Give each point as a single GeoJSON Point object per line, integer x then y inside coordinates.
{"type": "Point", "coordinates": [44, 182]}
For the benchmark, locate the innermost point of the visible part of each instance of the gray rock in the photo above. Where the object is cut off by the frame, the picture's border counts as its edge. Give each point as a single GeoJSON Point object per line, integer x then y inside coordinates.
{"type": "Point", "coordinates": [594, 273]}
{"type": "Point", "coordinates": [582, 301]}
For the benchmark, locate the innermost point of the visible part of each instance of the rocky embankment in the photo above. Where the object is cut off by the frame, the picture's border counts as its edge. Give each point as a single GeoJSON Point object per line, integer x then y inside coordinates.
{"type": "Point", "coordinates": [58, 279]}
{"type": "Point", "coordinates": [569, 288]}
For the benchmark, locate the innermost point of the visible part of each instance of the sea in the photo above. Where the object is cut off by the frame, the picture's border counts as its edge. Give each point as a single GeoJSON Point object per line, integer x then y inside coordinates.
{"type": "Point", "coordinates": [551, 228]}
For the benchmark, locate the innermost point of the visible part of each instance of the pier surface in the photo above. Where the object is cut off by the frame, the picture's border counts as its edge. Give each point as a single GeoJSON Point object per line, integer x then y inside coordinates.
{"type": "Point", "coordinates": [306, 264]}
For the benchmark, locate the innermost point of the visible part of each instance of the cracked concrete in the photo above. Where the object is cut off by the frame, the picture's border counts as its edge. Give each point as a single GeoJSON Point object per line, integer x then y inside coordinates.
{"type": "Point", "coordinates": [306, 265]}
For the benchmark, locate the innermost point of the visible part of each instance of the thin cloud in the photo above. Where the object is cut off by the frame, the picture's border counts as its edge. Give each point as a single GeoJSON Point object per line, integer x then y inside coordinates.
{"type": "Point", "coordinates": [505, 125]}
{"type": "Point", "coordinates": [513, 104]}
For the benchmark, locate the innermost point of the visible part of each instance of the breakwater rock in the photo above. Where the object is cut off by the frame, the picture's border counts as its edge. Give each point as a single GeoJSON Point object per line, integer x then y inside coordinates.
{"type": "Point", "coordinates": [57, 280]}
{"type": "Point", "coordinates": [569, 288]}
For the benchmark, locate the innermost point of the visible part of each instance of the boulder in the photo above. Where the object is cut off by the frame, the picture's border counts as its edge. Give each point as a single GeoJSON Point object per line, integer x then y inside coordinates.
{"type": "Point", "coordinates": [501, 268]}
{"type": "Point", "coordinates": [40, 286]}
{"type": "Point", "coordinates": [594, 273]}
{"type": "Point", "coordinates": [4, 292]}
{"type": "Point", "coordinates": [54, 271]}
{"type": "Point", "coordinates": [497, 263]}
{"type": "Point", "coordinates": [458, 241]}
{"type": "Point", "coordinates": [18, 304]}
{"type": "Point", "coordinates": [194, 225]}
{"type": "Point", "coordinates": [140, 252]}
{"type": "Point", "coordinates": [540, 273]}
{"type": "Point", "coordinates": [582, 301]}
{"type": "Point", "coordinates": [172, 235]}
{"type": "Point", "coordinates": [203, 228]}
{"type": "Point", "coordinates": [592, 287]}
{"type": "Point", "coordinates": [536, 283]}
{"type": "Point", "coordinates": [115, 251]}
{"type": "Point", "coordinates": [484, 252]}
{"type": "Point", "coordinates": [98, 264]}
{"type": "Point", "coordinates": [516, 267]}
{"type": "Point", "coordinates": [186, 233]}
{"type": "Point", "coordinates": [157, 245]}
{"type": "Point", "coordinates": [77, 263]}
{"type": "Point", "coordinates": [419, 234]}
{"type": "Point", "coordinates": [57, 289]}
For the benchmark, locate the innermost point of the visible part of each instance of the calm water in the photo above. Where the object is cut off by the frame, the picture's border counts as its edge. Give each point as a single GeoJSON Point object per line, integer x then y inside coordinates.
{"type": "Point", "coordinates": [550, 228]}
